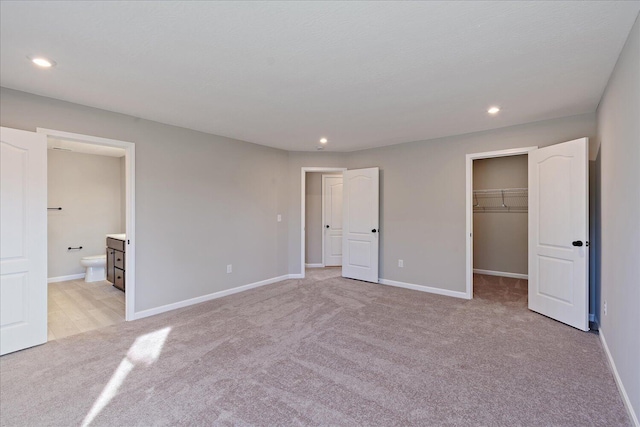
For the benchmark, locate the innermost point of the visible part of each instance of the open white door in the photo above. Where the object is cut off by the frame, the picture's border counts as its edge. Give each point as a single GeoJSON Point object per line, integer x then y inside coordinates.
{"type": "Point", "coordinates": [23, 236]}
{"type": "Point", "coordinates": [332, 219]}
{"type": "Point", "coordinates": [360, 221]}
{"type": "Point", "coordinates": [559, 232]}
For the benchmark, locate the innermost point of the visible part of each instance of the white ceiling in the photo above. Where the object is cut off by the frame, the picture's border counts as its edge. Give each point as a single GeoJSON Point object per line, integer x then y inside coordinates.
{"type": "Point", "coordinates": [81, 147]}
{"type": "Point", "coordinates": [284, 74]}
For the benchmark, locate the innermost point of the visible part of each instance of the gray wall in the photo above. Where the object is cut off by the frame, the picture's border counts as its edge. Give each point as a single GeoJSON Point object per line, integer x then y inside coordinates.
{"type": "Point", "coordinates": [422, 196]}
{"type": "Point", "coordinates": [87, 187]}
{"type": "Point", "coordinates": [202, 201]}
{"type": "Point", "coordinates": [500, 238]}
{"type": "Point", "coordinates": [219, 198]}
{"type": "Point", "coordinates": [313, 218]}
{"type": "Point", "coordinates": [619, 206]}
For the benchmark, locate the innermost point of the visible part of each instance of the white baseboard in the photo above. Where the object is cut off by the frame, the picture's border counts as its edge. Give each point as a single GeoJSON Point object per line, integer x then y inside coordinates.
{"type": "Point", "coordinates": [314, 265]}
{"type": "Point", "coordinates": [501, 274]}
{"type": "Point", "coordinates": [180, 304]}
{"type": "Point", "coordinates": [65, 278]}
{"type": "Point", "coordinates": [422, 288]}
{"type": "Point", "coordinates": [296, 276]}
{"type": "Point", "coordinates": [623, 392]}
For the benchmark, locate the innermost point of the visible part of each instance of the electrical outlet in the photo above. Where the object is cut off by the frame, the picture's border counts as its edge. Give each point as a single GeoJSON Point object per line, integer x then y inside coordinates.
{"type": "Point", "coordinates": [604, 307]}
{"type": "Point", "coordinates": [401, 263]}
{"type": "Point", "coordinates": [279, 218]}
{"type": "Point", "coordinates": [229, 268]}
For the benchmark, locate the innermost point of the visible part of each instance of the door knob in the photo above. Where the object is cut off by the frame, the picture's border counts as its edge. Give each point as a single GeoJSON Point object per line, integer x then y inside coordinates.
{"type": "Point", "coordinates": [327, 225]}
{"type": "Point", "coordinates": [577, 243]}
{"type": "Point", "coordinates": [374, 231]}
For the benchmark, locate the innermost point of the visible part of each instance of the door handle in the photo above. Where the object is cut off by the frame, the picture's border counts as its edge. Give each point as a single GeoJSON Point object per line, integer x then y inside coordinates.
{"type": "Point", "coordinates": [577, 243]}
{"type": "Point", "coordinates": [327, 225]}
{"type": "Point", "coordinates": [374, 231]}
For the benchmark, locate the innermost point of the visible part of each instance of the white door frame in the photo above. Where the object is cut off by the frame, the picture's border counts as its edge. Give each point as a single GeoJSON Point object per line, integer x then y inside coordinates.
{"type": "Point", "coordinates": [324, 264]}
{"type": "Point", "coordinates": [130, 205]}
{"type": "Point", "coordinates": [469, 204]}
{"type": "Point", "coordinates": [303, 199]}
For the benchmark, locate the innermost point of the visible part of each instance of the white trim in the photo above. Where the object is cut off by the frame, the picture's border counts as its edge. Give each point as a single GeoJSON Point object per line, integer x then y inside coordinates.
{"type": "Point", "coordinates": [423, 288]}
{"type": "Point", "coordinates": [314, 266]}
{"type": "Point", "coordinates": [296, 276]}
{"type": "Point", "coordinates": [501, 274]}
{"type": "Point", "coordinates": [303, 198]}
{"type": "Point", "coordinates": [623, 391]}
{"type": "Point", "coordinates": [208, 297]}
{"type": "Point", "coordinates": [65, 278]}
{"type": "Point", "coordinates": [469, 203]}
{"type": "Point", "coordinates": [130, 189]}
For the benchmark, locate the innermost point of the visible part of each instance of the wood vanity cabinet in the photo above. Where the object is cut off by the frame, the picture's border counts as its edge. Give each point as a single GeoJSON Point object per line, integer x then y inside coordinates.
{"type": "Point", "coordinates": [116, 262]}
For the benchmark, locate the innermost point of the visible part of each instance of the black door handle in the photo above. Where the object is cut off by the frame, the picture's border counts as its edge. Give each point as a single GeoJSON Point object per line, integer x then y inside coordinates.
{"type": "Point", "coordinates": [327, 225]}
{"type": "Point", "coordinates": [577, 243]}
{"type": "Point", "coordinates": [374, 231]}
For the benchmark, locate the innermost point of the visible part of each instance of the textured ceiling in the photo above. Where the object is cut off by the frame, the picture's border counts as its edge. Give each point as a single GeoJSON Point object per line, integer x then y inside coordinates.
{"type": "Point", "coordinates": [283, 74]}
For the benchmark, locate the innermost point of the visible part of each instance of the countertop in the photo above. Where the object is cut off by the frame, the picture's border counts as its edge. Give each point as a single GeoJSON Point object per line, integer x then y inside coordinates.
{"type": "Point", "coordinates": [118, 236]}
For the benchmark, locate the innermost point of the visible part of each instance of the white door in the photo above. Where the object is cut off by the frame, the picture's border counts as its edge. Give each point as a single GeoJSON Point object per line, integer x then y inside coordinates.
{"type": "Point", "coordinates": [559, 232]}
{"type": "Point", "coordinates": [23, 236]}
{"type": "Point", "coordinates": [360, 224]}
{"type": "Point", "coordinates": [332, 219]}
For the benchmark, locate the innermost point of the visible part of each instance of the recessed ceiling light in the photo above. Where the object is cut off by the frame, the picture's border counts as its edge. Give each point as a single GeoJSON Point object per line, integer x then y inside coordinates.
{"type": "Point", "coordinates": [323, 140]}
{"type": "Point", "coordinates": [493, 110]}
{"type": "Point", "coordinates": [42, 62]}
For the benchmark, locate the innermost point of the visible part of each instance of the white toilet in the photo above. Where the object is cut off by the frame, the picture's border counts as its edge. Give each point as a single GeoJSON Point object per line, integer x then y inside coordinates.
{"type": "Point", "coordinates": [96, 268]}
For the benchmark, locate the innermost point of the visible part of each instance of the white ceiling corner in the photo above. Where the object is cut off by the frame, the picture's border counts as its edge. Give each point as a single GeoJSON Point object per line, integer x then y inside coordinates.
{"type": "Point", "coordinates": [284, 74]}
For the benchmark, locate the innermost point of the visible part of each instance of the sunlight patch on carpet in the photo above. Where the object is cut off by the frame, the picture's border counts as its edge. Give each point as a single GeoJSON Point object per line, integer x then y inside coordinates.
{"type": "Point", "coordinates": [145, 351]}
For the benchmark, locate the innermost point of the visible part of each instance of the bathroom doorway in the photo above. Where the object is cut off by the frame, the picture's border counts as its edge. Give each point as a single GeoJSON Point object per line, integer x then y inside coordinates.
{"type": "Point", "coordinates": [91, 209]}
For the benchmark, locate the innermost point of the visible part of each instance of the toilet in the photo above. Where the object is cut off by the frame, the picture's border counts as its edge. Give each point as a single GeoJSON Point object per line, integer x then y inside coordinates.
{"type": "Point", "coordinates": [96, 268]}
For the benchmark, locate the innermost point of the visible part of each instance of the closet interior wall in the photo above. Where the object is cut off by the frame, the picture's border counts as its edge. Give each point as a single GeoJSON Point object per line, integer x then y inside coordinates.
{"type": "Point", "coordinates": [500, 235]}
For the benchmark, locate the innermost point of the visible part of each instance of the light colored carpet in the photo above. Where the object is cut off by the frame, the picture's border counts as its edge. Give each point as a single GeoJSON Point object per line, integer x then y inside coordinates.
{"type": "Point", "coordinates": [323, 351]}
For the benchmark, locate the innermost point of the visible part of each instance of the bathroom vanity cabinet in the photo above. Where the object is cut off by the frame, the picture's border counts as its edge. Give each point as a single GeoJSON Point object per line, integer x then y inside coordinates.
{"type": "Point", "coordinates": [116, 262]}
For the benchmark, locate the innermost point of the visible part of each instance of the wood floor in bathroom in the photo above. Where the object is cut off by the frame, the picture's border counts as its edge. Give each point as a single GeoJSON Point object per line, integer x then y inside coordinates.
{"type": "Point", "coordinates": [76, 306]}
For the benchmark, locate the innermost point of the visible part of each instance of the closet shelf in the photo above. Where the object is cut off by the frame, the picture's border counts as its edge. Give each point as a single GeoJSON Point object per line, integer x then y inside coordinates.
{"type": "Point", "coordinates": [501, 200]}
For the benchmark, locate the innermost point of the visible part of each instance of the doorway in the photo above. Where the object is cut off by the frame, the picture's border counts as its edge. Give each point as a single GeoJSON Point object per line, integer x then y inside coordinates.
{"type": "Point", "coordinates": [497, 203]}
{"type": "Point", "coordinates": [125, 231]}
{"type": "Point", "coordinates": [85, 191]}
{"type": "Point", "coordinates": [316, 217]}
{"type": "Point", "coordinates": [323, 220]}
{"type": "Point", "coordinates": [500, 226]}
{"type": "Point", "coordinates": [332, 220]}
